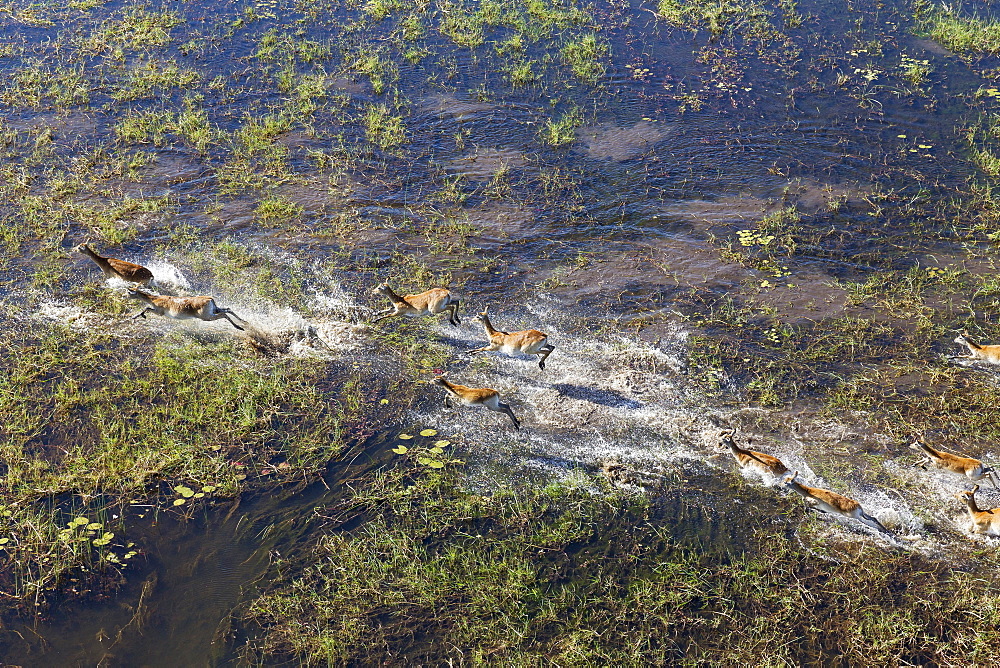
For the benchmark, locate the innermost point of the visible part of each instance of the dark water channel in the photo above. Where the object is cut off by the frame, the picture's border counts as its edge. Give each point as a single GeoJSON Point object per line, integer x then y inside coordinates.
{"type": "Point", "coordinates": [679, 141]}
{"type": "Point", "coordinates": [175, 609]}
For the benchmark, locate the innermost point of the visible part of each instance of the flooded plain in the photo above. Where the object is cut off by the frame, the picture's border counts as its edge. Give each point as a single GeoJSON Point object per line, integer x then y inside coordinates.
{"type": "Point", "coordinates": [772, 218]}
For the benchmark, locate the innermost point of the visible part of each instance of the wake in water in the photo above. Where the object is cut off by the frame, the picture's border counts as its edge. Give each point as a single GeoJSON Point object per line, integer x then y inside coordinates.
{"type": "Point", "coordinates": [608, 404]}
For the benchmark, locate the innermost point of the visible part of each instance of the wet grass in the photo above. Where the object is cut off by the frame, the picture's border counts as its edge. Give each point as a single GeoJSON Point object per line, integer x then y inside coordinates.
{"type": "Point", "coordinates": [348, 108]}
{"type": "Point", "coordinates": [957, 31]}
{"type": "Point", "coordinates": [435, 573]}
{"type": "Point", "coordinates": [887, 359]}
{"type": "Point", "coordinates": [124, 415]}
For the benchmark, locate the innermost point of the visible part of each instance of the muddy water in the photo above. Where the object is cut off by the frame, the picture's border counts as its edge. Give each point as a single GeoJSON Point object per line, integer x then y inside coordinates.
{"type": "Point", "coordinates": [683, 140]}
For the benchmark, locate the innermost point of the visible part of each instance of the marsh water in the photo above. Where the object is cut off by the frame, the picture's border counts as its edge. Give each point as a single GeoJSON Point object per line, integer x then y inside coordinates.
{"type": "Point", "coordinates": [353, 143]}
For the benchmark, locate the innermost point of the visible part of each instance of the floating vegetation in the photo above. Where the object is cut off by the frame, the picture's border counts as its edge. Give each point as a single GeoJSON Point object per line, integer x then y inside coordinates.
{"type": "Point", "coordinates": [489, 575]}
{"type": "Point", "coordinates": [678, 175]}
{"type": "Point", "coordinates": [915, 70]}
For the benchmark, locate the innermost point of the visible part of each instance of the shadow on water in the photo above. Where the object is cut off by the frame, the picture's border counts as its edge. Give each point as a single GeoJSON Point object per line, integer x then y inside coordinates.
{"type": "Point", "coordinates": [176, 609]}
{"type": "Point", "coordinates": [602, 396]}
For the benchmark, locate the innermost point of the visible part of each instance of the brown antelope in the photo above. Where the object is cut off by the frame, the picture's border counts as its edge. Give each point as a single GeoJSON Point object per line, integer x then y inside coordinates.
{"type": "Point", "coordinates": [432, 302]}
{"type": "Point", "coordinates": [527, 342]}
{"type": "Point", "coordinates": [764, 464]}
{"type": "Point", "coordinates": [824, 500]}
{"type": "Point", "coordinates": [972, 469]}
{"type": "Point", "coordinates": [115, 268]}
{"type": "Point", "coordinates": [475, 396]}
{"type": "Point", "coordinates": [979, 353]}
{"type": "Point", "coordinates": [182, 308]}
{"type": "Point", "coordinates": [983, 521]}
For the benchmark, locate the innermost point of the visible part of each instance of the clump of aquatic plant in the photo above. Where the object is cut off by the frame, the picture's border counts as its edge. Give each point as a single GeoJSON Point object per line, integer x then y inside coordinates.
{"type": "Point", "coordinates": [583, 55]}
{"type": "Point", "coordinates": [561, 130]}
{"type": "Point", "coordinates": [716, 16]}
{"type": "Point", "coordinates": [515, 574]}
{"type": "Point", "coordinates": [276, 211]}
{"type": "Point", "coordinates": [915, 70]}
{"type": "Point", "coordinates": [383, 128]}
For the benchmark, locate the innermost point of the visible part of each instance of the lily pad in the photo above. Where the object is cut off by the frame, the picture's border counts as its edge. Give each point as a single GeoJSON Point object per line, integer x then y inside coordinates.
{"type": "Point", "coordinates": [406, 437]}
{"type": "Point", "coordinates": [180, 502]}
{"type": "Point", "coordinates": [208, 489]}
{"type": "Point", "coordinates": [436, 464]}
{"type": "Point", "coordinates": [428, 432]}
{"type": "Point", "coordinates": [441, 444]}
{"type": "Point", "coordinates": [401, 450]}
{"type": "Point", "coordinates": [437, 450]}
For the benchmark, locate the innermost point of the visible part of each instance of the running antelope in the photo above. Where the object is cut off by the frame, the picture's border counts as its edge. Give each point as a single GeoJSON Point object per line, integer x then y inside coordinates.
{"type": "Point", "coordinates": [527, 342]}
{"type": "Point", "coordinates": [432, 302]}
{"type": "Point", "coordinates": [115, 268]}
{"type": "Point", "coordinates": [983, 521]}
{"type": "Point", "coordinates": [972, 469]}
{"type": "Point", "coordinates": [182, 308]}
{"type": "Point", "coordinates": [824, 500]}
{"type": "Point", "coordinates": [475, 396]}
{"type": "Point", "coordinates": [989, 354]}
{"type": "Point", "coordinates": [764, 464]}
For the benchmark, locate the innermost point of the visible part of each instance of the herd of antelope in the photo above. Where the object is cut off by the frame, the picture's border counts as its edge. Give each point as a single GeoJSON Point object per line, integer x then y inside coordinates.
{"type": "Point", "coordinates": [431, 302]}
{"type": "Point", "coordinates": [772, 469]}
{"type": "Point", "coordinates": [533, 342]}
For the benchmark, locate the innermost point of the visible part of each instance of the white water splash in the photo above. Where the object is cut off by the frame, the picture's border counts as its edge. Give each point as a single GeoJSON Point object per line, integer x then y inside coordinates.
{"type": "Point", "coordinates": [68, 313]}
{"type": "Point", "coordinates": [169, 278]}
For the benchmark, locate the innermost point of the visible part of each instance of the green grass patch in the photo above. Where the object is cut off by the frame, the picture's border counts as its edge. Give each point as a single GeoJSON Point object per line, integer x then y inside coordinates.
{"type": "Point", "coordinates": [277, 212]}
{"type": "Point", "coordinates": [965, 35]}
{"type": "Point", "coordinates": [561, 131]}
{"type": "Point", "coordinates": [383, 128]}
{"type": "Point", "coordinates": [90, 413]}
{"type": "Point", "coordinates": [717, 16]}
{"type": "Point", "coordinates": [153, 76]}
{"type": "Point", "coordinates": [583, 55]}
{"type": "Point", "coordinates": [561, 576]}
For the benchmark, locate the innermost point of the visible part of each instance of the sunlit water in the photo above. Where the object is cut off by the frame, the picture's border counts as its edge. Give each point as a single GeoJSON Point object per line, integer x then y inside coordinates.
{"type": "Point", "coordinates": [652, 187]}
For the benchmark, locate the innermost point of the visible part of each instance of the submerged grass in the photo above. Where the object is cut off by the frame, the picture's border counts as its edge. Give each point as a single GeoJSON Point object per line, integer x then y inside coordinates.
{"type": "Point", "coordinates": [533, 576]}
{"type": "Point", "coordinates": [436, 574]}
{"type": "Point", "coordinates": [94, 415]}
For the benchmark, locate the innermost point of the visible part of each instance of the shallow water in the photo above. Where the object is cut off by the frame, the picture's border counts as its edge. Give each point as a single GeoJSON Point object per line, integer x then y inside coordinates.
{"type": "Point", "coordinates": [194, 571]}
{"type": "Point", "coordinates": [606, 230]}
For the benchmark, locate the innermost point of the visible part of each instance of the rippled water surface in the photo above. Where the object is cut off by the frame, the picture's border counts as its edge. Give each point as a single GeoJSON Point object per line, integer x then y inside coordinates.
{"type": "Point", "coordinates": [287, 157]}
